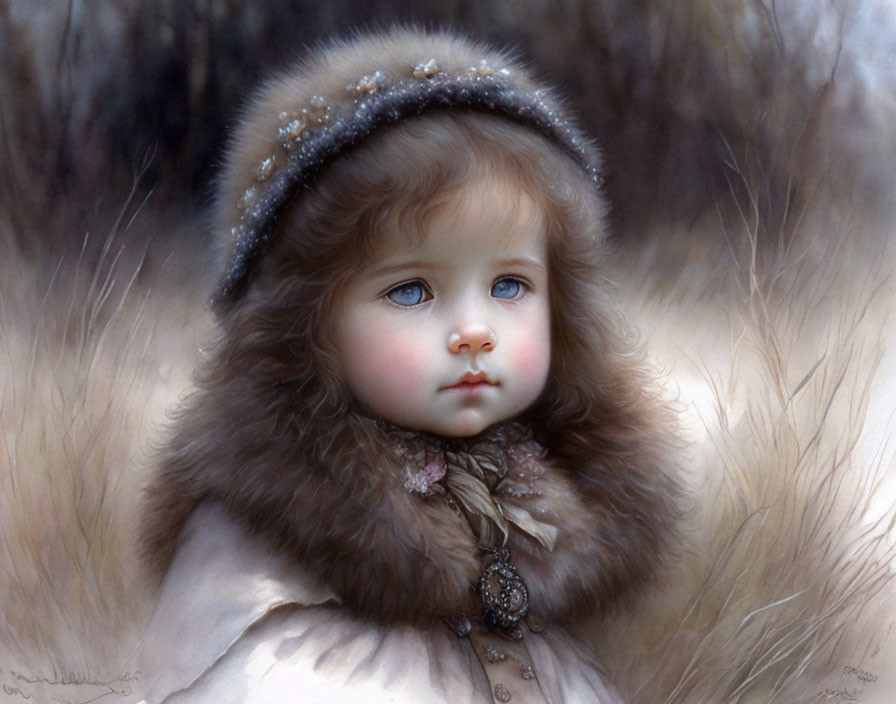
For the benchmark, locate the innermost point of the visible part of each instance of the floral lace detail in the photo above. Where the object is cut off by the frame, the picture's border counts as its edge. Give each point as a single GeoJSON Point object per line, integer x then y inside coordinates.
{"type": "Point", "coordinates": [526, 468]}
{"type": "Point", "coordinates": [506, 459]}
{"type": "Point", "coordinates": [481, 477]}
{"type": "Point", "coordinates": [425, 481]}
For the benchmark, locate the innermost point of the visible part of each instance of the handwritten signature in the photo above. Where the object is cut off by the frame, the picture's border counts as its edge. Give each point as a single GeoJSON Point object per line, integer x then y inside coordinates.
{"type": "Point", "coordinates": [15, 692]}
{"type": "Point", "coordinates": [79, 688]}
{"type": "Point", "coordinates": [76, 679]}
{"type": "Point", "coordinates": [860, 674]}
{"type": "Point", "coordinates": [844, 695]}
{"type": "Point", "coordinates": [848, 693]}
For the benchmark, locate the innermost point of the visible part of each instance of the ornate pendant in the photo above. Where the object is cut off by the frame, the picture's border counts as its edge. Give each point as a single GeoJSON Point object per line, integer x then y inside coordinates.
{"type": "Point", "coordinates": [504, 594]}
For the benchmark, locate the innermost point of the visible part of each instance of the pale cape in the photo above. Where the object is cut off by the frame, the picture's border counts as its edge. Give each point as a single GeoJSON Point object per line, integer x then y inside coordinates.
{"type": "Point", "coordinates": [237, 623]}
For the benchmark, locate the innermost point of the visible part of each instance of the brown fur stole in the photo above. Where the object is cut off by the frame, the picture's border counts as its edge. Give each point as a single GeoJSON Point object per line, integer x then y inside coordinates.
{"type": "Point", "coordinates": [331, 492]}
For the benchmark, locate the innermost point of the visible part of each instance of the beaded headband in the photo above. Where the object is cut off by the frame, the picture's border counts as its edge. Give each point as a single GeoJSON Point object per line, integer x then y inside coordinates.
{"type": "Point", "coordinates": [313, 133]}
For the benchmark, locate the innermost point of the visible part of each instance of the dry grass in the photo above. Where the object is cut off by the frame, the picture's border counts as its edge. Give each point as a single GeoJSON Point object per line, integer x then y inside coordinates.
{"type": "Point", "coordinates": [88, 365]}
{"type": "Point", "coordinates": [784, 381]}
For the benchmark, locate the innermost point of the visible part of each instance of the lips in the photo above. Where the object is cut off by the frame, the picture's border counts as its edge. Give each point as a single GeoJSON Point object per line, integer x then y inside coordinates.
{"type": "Point", "coordinates": [471, 380]}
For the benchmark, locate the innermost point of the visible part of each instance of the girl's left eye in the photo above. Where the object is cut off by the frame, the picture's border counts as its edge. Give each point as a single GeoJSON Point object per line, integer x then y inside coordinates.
{"type": "Point", "coordinates": [408, 294]}
{"type": "Point", "coordinates": [507, 288]}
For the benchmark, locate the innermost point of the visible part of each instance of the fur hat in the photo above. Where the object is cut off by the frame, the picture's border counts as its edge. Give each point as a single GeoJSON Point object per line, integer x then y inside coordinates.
{"type": "Point", "coordinates": [344, 93]}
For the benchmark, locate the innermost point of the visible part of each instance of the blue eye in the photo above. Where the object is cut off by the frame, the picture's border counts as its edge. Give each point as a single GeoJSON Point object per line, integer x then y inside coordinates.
{"type": "Point", "coordinates": [507, 288]}
{"type": "Point", "coordinates": [408, 294]}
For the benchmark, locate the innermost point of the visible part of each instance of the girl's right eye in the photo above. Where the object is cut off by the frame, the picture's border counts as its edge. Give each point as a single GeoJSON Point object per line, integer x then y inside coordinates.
{"type": "Point", "coordinates": [408, 294]}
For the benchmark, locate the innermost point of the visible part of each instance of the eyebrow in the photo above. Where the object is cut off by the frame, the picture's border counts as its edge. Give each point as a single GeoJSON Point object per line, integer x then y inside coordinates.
{"type": "Point", "coordinates": [422, 264]}
{"type": "Point", "coordinates": [410, 264]}
{"type": "Point", "coordinates": [522, 261]}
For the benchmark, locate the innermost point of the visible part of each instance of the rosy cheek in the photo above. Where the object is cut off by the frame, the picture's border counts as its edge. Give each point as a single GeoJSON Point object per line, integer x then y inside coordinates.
{"type": "Point", "coordinates": [531, 349]}
{"type": "Point", "coordinates": [397, 367]}
{"type": "Point", "coordinates": [390, 363]}
{"type": "Point", "coordinates": [531, 359]}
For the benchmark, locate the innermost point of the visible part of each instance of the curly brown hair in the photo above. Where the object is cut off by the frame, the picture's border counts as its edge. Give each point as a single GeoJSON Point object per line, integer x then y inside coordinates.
{"type": "Point", "coordinates": [272, 422]}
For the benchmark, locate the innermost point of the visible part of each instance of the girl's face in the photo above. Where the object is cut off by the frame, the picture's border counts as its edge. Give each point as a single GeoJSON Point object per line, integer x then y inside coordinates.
{"type": "Point", "coordinates": [452, 335]}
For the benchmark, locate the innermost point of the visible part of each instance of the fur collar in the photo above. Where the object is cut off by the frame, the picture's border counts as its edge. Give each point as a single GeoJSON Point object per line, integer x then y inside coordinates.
{"type": "Point", "coordinates": [380, 517]}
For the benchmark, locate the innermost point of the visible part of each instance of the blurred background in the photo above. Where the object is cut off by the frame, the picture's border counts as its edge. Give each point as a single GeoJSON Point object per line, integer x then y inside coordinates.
{"type": "Point", "coordinates": [694, 102]}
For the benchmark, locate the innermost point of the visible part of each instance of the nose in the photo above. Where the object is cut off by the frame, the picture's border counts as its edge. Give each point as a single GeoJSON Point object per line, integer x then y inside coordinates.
{"type": "Point", "coordinates": [472, 338]}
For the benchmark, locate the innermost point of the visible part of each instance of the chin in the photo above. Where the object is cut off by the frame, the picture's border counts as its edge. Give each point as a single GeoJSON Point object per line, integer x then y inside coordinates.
{"type": "Point", "coordinates": [464, 428]}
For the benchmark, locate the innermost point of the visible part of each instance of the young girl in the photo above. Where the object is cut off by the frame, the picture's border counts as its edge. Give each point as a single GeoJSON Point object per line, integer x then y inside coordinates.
{"type": "Point", "coordinates": [420, 449]}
